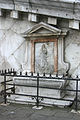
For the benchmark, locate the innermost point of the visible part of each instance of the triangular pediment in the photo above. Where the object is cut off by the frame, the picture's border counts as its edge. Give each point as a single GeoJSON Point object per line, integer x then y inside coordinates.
{"type": "Point", "coordinates": [42, 29]}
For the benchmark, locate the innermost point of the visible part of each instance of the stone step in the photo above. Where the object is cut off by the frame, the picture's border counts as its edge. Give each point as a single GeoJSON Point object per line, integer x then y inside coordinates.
{"type": "Point", "coordinates": [29, 100]}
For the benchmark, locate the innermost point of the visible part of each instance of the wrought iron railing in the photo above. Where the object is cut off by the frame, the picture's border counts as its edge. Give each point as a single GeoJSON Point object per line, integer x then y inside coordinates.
{"type": "Point", "coordinates": [12, 73]}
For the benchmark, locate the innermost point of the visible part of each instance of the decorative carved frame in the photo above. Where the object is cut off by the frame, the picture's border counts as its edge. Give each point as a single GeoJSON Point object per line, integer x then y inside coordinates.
{"type": "Point", "coordinates": [55, 52]}
{"type": "Point", "coordinates": [55, 35]}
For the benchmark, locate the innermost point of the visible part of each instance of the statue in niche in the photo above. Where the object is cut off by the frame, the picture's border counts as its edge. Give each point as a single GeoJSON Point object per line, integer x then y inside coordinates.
{"type": "Point", "coordinates": [43, 56]}
{"type": "Point", "coordinates": [42, 63]}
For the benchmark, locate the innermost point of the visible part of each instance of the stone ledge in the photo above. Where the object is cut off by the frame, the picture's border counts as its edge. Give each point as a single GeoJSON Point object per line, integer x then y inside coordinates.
{"type": "Point", "coordinates": [53, 8]}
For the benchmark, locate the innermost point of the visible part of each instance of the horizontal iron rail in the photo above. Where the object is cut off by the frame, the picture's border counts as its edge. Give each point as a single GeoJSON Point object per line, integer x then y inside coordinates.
{"type": "Point", "coordinates": [2, 92]}
{"type": "Point", "coordinates": [6, 81]}
{"type": "Point", "coordinates": [20, 94]}
{"type": "Point", "coordinates": [45, 77]}
{"type": "Point", "coordinates": [44, 87]}
{"type": "Point", "coordinates": [40, 78]}
{"type": "Point", "coordinates": [41, 97]}
{"type": "Point", "coordinates": [9, 88]}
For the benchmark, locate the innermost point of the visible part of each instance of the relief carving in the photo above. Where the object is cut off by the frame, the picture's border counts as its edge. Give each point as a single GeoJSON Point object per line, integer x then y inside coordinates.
{"type": "Point", "coordinates": [44, 58]}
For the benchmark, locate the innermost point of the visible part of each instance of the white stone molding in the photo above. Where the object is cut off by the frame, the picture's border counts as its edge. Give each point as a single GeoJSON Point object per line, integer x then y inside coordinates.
{"type": "Point", "coordinates": [62, 65]}
{"type": "Point", "coordinates": [32, 31]}
{"type": "Point", "coordinates": [53, 8]}
{"type": "Point", "coordinates": [74, 24]}
{"type": "Point", "coordinates": [14, 14]}
{"type": "Point", "coordinates": [52, 20]}
{"type": "Point", "coordinates": [27, 62]}
{"type": "Point", "coordinates": [32, 17]}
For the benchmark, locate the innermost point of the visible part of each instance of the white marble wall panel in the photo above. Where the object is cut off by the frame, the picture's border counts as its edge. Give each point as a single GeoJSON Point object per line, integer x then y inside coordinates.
{"type": "Point", "coordinates": [72, 50]}
{"type": "Point", "coordinates": [6, 23]}
{"type": "Point", "coordinates": [73, 55]}
{"type": "Point", "coordinates": [12, 44]}
{"type": "Point", "coordinates": [21, 26]}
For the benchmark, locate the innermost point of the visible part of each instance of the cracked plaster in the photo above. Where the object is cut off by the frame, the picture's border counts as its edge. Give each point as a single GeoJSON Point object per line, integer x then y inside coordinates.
{"type": "Point", "coordinates": [13, 46]}
{"type": "Point", "coordinates": [73, 55]}
{"type": "Point", "coordinates": [12, 43]}
{"type": "Point", "coordinates": [21, 26]}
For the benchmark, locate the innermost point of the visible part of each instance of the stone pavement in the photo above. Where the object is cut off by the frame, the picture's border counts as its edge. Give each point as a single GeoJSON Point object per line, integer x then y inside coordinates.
{"type": "Point", "coordinates": [25, 112]}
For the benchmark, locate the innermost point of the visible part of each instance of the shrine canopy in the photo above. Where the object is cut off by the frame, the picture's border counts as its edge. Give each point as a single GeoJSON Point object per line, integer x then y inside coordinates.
{"type": "Point", "coordinates": [43, 29]}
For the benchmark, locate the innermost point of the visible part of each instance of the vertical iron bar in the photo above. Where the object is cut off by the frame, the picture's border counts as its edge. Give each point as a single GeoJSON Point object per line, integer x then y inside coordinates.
{"type": "Point", "coordinates": [13, 88]}
{"type": "Point", "coordinates": [26, 73]}
{"type": "Point", "coordinates": [37, 89]}
{"type": "Point", "coordinates": [76, 106]}
{"type": "Point", "coordinates": [5, 89]}
{"type": "Point", "coordinates": [20, 73]}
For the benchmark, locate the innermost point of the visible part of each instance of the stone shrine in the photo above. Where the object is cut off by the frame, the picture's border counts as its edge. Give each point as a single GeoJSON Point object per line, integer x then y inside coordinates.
{"type": "Point", "coordinates": [41, 36]}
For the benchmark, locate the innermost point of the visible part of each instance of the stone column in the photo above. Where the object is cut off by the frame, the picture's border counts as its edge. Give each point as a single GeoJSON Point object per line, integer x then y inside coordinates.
{"type": "Point", "coordinates": [26, 65]}
{"type": "Point", "coordinates": [62, 65]}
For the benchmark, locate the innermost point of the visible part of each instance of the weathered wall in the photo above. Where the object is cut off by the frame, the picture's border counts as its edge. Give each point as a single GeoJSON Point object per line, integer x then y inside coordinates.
{"type": "Point", "coordinates": [70, 8]}
{"type": "Point", "coordinates": [72, 50]}
{"type": "Point", "coordinates": [13, 45]}
{"type": "Point", "coordinates": [72, 47]}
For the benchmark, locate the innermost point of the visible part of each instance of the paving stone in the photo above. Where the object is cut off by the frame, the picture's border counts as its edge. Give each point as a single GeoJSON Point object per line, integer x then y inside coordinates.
{"type": "Point", "coordinates": [76, 117]}
{"type": "Point", "coordinates": [55, 118]}
{"type": "Point", "coordinates": [25, 112]}
{"type": "Point", "coordinates": [46, 112]}
{"type": "Point", "coordinates": [64, 114]}
{"type": "Point", "coordinates": [39, 117]}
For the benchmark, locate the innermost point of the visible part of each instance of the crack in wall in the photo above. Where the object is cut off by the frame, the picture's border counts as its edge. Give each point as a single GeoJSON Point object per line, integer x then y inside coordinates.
{"type": "Point", "coordinates": [7, 22]}
{"type": "Point", "coordinates": [16, 60]}
{"type": "Point", "coordinates": [14, 4]}
{"type": "Point", "coordinates": [3, 37]}
{"type": "Point", "coordinates": [17, 48]}
{"type": "Point", "coordinates": [76, 68]}
{"type": "Point", "coordinates": [12, 26]}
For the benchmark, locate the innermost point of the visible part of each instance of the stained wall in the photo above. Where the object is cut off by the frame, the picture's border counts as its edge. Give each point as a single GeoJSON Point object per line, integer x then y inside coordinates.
{"type": "Point", "coordinates": [13, 45]}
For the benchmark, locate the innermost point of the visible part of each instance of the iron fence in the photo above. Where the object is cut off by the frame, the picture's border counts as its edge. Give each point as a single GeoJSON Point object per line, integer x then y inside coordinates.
{"type": "Point", "coordinates": [12, 73]}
